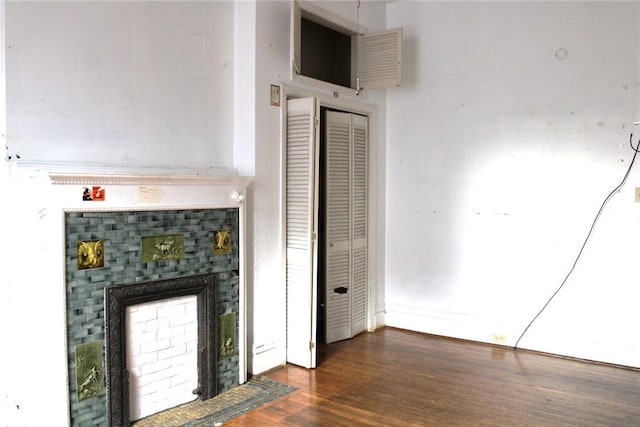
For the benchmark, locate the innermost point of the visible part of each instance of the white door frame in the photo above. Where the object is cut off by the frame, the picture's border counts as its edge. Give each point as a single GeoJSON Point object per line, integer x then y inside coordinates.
{"type": "Point", "coordinates": [326, 99]}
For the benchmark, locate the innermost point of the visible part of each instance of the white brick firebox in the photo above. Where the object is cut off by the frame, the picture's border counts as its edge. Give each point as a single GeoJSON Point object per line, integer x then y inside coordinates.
{"type": "Point", "coordinates": [162, 343]}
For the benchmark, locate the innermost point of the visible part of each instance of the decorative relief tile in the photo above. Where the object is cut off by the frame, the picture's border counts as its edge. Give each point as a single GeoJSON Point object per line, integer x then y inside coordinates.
{"type": "Point", "coordinates": [89, 370]}
{"type": "Point", "coordinates": [157, 248]}
{"type": "Point", "coordinates": [223, 242]}
{"type": "Point", "coordinates": [227, 335]}
{"type": "Point", "coordinates": [90, 254]}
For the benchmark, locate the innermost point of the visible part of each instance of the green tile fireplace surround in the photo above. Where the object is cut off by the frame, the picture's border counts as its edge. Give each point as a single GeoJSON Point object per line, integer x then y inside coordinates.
{"type": "Point", "coordinates": [122, 233]}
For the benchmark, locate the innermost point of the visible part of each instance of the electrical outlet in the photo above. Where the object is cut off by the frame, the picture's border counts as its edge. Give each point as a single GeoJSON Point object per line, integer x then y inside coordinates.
{"type": "Point", "coordinates": [637, 194]}
{"type": "Point", "coordinates": [499, 339]}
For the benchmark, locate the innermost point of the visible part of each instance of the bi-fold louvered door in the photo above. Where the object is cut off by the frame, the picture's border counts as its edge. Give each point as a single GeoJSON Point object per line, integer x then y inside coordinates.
{"type": "Point", "coordinates": [301, 212]}
{"type": "Point", "coordinates": [346, 225]}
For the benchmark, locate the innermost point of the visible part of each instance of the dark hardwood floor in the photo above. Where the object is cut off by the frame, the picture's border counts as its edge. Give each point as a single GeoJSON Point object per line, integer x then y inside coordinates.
{"type": "Point", "coordinates": [397, 378]}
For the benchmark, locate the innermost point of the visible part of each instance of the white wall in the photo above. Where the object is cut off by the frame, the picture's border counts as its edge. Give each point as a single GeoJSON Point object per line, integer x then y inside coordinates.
{"type": "Point", "coordinates": [244, 87]}
{"type": "Point", "coordinates": [141, 84]}
{"type": "Point", "coordinates": [267, 293]}
{"type": "Point", "coordinates": [499, 155]}
{"type": "Point", "coordinates": [32, 304]}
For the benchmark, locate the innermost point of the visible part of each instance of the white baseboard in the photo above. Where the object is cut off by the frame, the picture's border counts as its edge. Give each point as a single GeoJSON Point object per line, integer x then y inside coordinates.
{"type": "Point", "coordinates": [431, 321]}
{"type": "Point", "coordinates": [473, 327]}
{"type": "Point", "coordinates": [380, 319]}
{"type": "Point", "coordinates": [264, 357]}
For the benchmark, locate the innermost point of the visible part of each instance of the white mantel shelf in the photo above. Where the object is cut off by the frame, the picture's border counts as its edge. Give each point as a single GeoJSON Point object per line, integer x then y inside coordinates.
{"type": "Point", "coordinates": [121, 179]}
{"type": "Point", "coordinates": [98, 174]}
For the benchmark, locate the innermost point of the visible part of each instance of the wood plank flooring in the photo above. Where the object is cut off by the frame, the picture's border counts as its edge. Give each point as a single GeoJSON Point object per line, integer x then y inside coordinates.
{"type": "Point", "coordinates": [398, 378]}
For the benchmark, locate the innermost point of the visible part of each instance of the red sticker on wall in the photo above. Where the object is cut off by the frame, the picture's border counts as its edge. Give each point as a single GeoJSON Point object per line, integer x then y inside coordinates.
{"type": "Point", "coordinates": [93, 194]}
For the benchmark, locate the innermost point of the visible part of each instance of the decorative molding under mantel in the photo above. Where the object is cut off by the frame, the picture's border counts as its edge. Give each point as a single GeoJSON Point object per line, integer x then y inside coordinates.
{"type": "Point", "coordinates": [107, 174]}
{"type": "Point", "coordinates": [107, 179]}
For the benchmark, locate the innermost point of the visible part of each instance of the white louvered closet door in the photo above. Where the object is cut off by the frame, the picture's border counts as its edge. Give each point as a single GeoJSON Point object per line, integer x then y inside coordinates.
{"type": "Point", "coordinates": [346, 225]}
{"type": "Point", "coordinates": [301, 228]}
{"type": "Point", "coordinates": [359, 226]}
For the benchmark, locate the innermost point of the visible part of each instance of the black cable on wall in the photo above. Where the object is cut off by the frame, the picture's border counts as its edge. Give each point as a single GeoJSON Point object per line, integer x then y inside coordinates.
{"type": "Point", "coordinates": [636, 149]}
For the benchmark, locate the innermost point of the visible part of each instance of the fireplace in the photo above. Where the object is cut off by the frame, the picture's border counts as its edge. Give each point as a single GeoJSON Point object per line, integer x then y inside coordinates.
{"type": "Point", "coordinates": [107, 269]}
{"type": "Point", "coordinates": [119, 297]}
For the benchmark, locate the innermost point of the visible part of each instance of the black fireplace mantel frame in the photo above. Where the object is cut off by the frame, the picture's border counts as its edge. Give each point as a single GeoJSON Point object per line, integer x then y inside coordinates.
{"type": "Point", "coordinates": [118, 297]}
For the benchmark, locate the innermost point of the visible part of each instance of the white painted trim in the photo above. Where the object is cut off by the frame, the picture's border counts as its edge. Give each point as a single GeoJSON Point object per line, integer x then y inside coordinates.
{"type": "Point", "coordinates": [103, 179]}
{"type": "Point", "coordinates": [283, 213]}
{"type": "Point", "coordinates": [242, 296]}
{"type": "Point", "coordinates": [353, 105]}
{"type": "Point", "coordinates": [171, 192]}
{"type": "Point", "coordinates": [62, 168]}
{"type": "Point", "coordinates": [336, 90]}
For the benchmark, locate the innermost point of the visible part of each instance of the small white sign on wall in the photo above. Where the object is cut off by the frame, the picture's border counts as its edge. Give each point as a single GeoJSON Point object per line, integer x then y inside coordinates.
{"type": "Point", "coordinates": [149, 194]}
